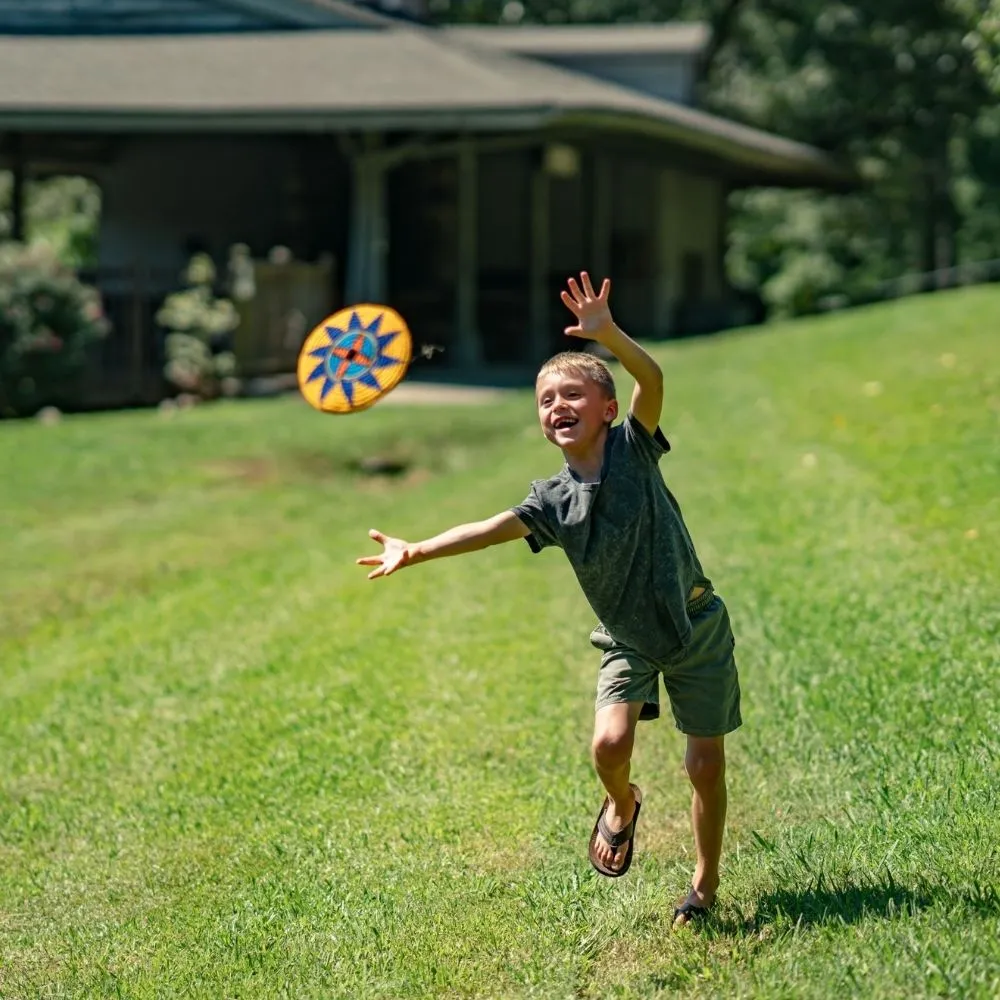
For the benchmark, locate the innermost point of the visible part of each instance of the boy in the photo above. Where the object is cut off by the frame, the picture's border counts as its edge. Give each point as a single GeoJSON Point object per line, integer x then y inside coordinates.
{"type": "Point", "coordinates": [621, 528]}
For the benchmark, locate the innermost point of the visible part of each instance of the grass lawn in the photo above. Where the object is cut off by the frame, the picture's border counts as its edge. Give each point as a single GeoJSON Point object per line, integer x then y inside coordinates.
{"type": "Point", "coordinates": [233, 767]}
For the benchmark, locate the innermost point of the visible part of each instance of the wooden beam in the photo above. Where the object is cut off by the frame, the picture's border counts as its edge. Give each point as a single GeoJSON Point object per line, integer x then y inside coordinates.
{"type": "Point", "coordinates": [722, 246]}
{"type": "Point", "coordinates": [601, 214]}
{"type": "Point", "coordinates": [18, 200]}
{"type": "Point", "coordinates": [540, 257]}
{"type": "Point", "coordinates": [468, 344]}
{"type": "Point", "coordinates": [667, 251]}
{"type": "Point", "coordinates": [368, 240]}
{"type": "Point", "coordinates": [422, 149]}
{"type": "Point", "coordinates": [379, 246]}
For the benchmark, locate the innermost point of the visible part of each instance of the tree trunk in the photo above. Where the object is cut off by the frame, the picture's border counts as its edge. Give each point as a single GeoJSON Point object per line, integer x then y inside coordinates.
{"type": "Point", "coordinates": [938, 249]}
{"type": "Point", "coordinates": [722, 25]}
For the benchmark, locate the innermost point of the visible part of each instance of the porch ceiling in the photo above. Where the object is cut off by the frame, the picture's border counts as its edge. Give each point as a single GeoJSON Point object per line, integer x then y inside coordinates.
{"type": "Point", "coordinates": [401, 78]}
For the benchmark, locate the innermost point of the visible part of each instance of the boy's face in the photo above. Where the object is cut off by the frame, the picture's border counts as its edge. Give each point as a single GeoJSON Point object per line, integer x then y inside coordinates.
{"type": "Point", "coordinates": [573, 410]}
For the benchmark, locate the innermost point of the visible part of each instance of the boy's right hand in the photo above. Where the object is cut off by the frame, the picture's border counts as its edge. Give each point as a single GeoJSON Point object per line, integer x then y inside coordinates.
{"type": "Point", "coordinates": [395, 555]}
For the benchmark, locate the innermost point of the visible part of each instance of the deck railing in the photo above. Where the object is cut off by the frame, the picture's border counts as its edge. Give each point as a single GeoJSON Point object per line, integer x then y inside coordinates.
{"type": "Point", "coordinates": [126, 367]}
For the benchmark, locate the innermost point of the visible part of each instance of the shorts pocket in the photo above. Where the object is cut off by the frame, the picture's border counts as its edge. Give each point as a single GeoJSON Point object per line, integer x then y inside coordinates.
{"type": "Point", "coordinates": [601, 638]}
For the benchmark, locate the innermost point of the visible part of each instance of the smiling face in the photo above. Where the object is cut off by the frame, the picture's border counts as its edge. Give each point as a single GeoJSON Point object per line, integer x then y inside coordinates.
{"type": "Point", "coordinates": [573, 409]}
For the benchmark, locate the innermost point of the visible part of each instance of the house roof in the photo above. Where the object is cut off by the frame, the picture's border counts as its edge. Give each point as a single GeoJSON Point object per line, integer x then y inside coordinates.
{"type": "Point", "coordinates": [588, 39]}
{"type": "Point", "coordinates": [122, 17]}
{"type": "Point", "coordinates": [400, 78]}
{"type": "Point", "coordinates": [309, 13]}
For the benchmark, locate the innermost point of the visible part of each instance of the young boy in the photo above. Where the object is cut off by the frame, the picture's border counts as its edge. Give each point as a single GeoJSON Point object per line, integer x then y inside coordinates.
{"type": "Point", "coordinates": [622, 531]}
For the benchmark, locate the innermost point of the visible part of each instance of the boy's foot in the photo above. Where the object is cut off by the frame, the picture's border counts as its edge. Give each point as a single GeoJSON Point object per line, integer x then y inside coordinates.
{"type": "Point", "coordinates": [613, 839]}
{"type": "Point", "coordinates": [695, 907]}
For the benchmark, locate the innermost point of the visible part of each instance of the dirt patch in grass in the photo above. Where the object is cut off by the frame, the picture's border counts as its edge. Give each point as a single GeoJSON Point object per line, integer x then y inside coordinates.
{"type": "Point", "coordinates": [314, 465]}
{"type": "Point", "coordinates": [391, 468]}
{"type": "Point", "coordinates": [254, 471]}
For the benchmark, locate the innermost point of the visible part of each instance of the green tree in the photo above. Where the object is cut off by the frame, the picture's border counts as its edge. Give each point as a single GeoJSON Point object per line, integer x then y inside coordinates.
{"type": "Point", "coordinates": [984, 35]}
{"type": "Point", "coordinates": [62, 212]}
{"type": "Point", "coordinates": [893, 85]}
{"type": "Point", "coordinates": [900, 87]}
{"type": "Point", "coordinates": [48, 320]}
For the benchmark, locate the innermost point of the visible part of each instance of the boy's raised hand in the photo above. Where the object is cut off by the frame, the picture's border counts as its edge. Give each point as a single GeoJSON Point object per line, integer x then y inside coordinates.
{"type": "Point", "coordinates": [395, 555]}
{"type": "Point", "coordinates": [590, 308]}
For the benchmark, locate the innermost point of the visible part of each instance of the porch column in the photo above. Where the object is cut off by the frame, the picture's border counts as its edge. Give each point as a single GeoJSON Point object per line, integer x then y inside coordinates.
{"type": "Point", "coordinates": [601, 216]}
{"type": "Point", "coordinates": [539, 264]}
{"type": "Point", "coordinates": [468, 346]}
{"type": "Point", "coordinates": [667, 220]}
{"type": "Point", "coordinates": [723, 240]}
{"type": "Point", "coordinates": [17, 191]}
{"type": "Point", "coordinates": [368, 241]}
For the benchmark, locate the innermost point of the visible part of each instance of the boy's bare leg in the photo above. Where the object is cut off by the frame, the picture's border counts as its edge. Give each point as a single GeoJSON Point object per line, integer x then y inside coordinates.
{"type": "Point", "coordinates": [705, 762]}
{"type": "Point", "coordinates": [614, 737]}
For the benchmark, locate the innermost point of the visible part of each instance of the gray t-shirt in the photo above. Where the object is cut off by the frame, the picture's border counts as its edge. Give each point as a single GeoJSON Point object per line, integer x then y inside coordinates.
{"type": "Point", "coordinates": [625, 539]}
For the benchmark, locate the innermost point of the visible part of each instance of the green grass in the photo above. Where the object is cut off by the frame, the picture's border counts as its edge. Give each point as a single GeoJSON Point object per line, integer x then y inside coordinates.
{"type": "Point", "coordinates": [232, 767]}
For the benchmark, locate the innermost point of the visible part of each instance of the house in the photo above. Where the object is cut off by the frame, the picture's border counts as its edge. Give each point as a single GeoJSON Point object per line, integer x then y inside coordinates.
{"type": "Point", "coordinates": [458, 174]}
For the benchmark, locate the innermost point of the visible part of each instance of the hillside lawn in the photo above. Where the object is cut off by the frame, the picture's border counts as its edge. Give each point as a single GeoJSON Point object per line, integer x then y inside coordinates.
{"type": "Point", "coordinates": [233, 767]}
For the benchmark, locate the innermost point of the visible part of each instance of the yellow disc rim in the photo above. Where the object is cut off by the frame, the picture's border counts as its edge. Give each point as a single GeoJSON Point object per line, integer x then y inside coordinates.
{"type": "Point", "coordinates": [354, 358]}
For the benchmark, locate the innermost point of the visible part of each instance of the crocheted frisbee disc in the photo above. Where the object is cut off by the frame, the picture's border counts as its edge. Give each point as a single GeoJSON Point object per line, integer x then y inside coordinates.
{"type": "Point", "coordinates": [353, 358]}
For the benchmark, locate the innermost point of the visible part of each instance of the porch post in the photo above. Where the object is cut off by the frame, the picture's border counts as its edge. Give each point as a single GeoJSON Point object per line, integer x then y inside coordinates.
{"type": "Point", "coordinates": [539, 264]}
{"type": "Point", "coordinates": [137, 351]}
{"type": "Point", "coordinates": [17, 191]}
{"type": "Point", "coordinates": [468, 346]}
{"type": "Point", "coordinates": [601, 216]}
{"type": "Point", "coordinates": [368, 241]}
{"type": "Point", "coordinates": [723, 240]}
{"type": "Point", "coordinates": [667, 216]}
{"type": "Point", "coordinates": [379, 247]}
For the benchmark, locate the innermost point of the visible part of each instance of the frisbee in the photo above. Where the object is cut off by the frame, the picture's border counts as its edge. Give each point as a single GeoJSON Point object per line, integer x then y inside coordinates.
{"type": "Point", "coordinates": [354, 358]}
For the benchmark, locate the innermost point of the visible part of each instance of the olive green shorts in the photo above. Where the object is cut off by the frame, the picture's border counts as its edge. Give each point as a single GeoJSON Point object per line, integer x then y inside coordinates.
{"type": "Point", "coordinates": [702, 683]}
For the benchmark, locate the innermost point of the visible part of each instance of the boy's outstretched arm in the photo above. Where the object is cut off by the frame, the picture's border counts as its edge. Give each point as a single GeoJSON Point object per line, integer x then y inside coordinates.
{"type": "Point", "coordinates": [397, 553]}
{"type": "Point", "coordinates": [596, 323]}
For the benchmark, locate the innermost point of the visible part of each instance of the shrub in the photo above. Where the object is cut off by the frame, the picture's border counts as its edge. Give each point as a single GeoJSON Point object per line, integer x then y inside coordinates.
{"type": "Point", "coordinates": [200, 359]}
{"type": "Point", "coordinates": [48, 319]}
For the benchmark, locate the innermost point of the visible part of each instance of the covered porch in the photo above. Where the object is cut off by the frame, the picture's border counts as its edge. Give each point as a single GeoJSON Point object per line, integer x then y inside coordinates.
{"type": "Point", "coordinates": [462, 195]}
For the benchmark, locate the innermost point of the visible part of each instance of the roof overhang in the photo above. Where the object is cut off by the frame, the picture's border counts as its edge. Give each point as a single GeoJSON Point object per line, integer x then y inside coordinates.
{"type": "Point", "coordinates": [587, 40]}
{"type": "Point", "coordinates": [397, 80]}
{"type": "Point", "coordinates": [746, 162]}
{"type": "Point", "coordinates": [753, 157]}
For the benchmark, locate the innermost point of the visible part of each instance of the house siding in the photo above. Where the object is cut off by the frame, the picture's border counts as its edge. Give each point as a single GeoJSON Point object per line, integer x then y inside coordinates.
{"type": "Point", "coordinates": [666, 76]}
{"type": "Point", "coordinates": [167, 195]}
{"type": "Point", "coordinates": [700, 203]}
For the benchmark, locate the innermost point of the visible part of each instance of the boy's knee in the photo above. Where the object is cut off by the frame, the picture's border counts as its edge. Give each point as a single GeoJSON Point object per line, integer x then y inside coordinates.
{"type": "Point", "coordinates": [612, 745]}
{"type": "Point", "coordinates": [705, 765]}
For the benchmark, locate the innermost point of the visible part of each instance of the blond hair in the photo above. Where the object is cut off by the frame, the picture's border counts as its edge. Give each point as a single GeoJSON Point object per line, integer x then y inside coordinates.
{"type": "Point", "coordinates": [580, 363]}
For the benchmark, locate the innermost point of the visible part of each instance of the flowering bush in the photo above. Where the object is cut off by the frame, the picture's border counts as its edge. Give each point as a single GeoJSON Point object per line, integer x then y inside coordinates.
{"type": "Point", "coordinates": [48, 319]}
{"type": "Point", "coordinates": [200, 359]}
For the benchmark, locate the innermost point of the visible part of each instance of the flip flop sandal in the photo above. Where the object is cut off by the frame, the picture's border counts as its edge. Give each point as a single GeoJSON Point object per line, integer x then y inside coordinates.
{"type": "Point", "coordinates": [615, 840]}
{"type": "Point", "coordinates": [691, 910]}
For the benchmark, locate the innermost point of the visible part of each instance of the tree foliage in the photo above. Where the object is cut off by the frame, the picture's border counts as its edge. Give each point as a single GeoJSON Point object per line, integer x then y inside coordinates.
{"type": "Point", "coordinates": [983, 17]}
{"type": "Point", "coordinates": [901, 87]}
{"type": "Point", "coordinates": [48, 319]}
{"type": "Point", "coordinates": [200, 360]}
{"type": "Point", "coordinates": [61, 212]}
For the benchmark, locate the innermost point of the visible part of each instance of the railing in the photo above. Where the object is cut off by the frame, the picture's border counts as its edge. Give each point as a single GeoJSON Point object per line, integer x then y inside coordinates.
{"type": "Point", "coordinates": [126, 367]}
{"type": "Point", "coordinates": [962, 275]}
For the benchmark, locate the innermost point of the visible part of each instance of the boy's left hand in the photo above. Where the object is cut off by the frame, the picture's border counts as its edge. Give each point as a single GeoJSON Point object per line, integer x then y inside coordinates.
{"type": "Point", "coordinates": [591, 309]}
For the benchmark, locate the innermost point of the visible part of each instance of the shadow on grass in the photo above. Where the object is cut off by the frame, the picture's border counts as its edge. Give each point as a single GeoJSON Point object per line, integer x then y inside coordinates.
{"type": "Point", "coordinates": [850, 903]}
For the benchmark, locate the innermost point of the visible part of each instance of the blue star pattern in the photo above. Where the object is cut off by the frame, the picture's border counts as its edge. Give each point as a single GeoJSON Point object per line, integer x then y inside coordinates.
{"type": "Point", "coordinates": [353, 356]}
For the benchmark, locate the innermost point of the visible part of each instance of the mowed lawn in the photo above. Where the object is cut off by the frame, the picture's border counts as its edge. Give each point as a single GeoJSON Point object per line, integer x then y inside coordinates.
{"type": "Point", "coordinates": [233, 767]}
